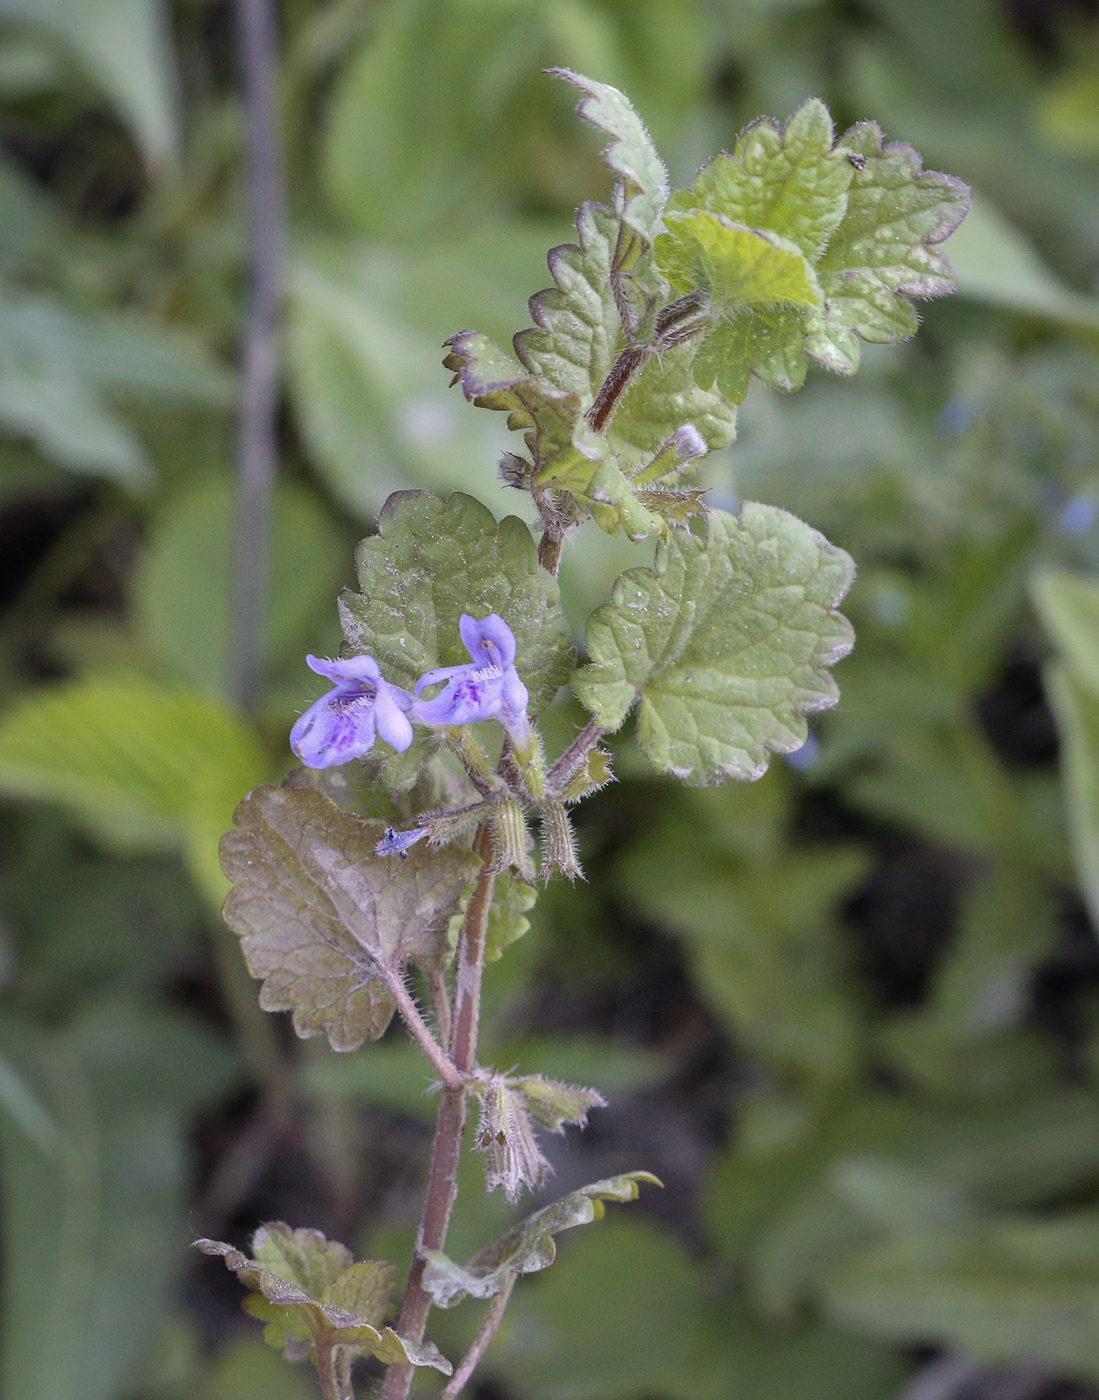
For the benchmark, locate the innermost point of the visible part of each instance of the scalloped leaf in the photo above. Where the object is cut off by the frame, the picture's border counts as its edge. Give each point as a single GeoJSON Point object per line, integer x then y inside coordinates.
{"type": "Point", "coordinates": [631, 155]}
{"type": "Point", "coordinates": [885, 250]}
{"type": "Point", "coordinates": [528, 1246]}
{"type": "Point", "coordinates": [310, 1294]}
{"type": "Point", "coordinates": [433, 560]}
{"type": "Point", "coordinates": [323, 921]}
{"type": "Point", "coordinates": [867, 218]}
{"type": "Point", "coordinates": [725, 642]}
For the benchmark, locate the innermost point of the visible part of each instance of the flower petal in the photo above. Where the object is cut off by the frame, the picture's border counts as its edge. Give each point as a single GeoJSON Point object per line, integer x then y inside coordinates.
{"type": "Point", "coordinates": [490, 640]}
{"type": "Point", "coordinates": [353, 669]}
{"type": "Point", "coordinates": [473, 696]}
{"type": "Point", "coordinates": [441, 673]}
{"type": "Point", "coordinates": [335, 729]}
{"type": "Point", "coordinates": [392, 723]}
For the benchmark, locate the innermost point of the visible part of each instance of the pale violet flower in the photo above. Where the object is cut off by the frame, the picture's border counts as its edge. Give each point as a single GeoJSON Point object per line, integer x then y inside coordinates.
{"type": "Point", "coordinates": [342, 724]}
{"type": "Point", "coordinates": [488, 687]}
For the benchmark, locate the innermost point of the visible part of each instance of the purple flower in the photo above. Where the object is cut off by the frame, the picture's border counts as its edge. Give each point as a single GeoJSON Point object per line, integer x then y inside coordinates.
{"type": "Point", "coordinates": [341, 725]}
{"type": "Point", "coordinates": [487, 688]}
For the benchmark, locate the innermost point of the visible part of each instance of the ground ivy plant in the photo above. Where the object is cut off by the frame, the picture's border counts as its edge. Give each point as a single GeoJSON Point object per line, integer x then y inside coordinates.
{"type": "Point", "coordinates": [380, 877]}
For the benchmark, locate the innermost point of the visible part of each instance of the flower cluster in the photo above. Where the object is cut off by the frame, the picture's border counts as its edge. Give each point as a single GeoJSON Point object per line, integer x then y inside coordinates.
{"type": "Point", "coordinates": [344, 723]}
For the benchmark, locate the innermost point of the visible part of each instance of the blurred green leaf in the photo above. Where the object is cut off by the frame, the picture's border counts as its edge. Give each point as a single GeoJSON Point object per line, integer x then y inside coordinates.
{"type": "Point", "coordinates": [184, 585]}
{"type": "Point", "coordinates": [144, 767]}
{"type": "Point", "coordinates": [1002, 1291]}
{"type": "Point", "coordinates": [125, 47]}
{"type": "Point", "coordinates": [996, 264]}
{"type": "Point", "coordinates": [1068, 604]}
{"type": "Point", "coordinates": [92, 1228]}
{"type": "Point", "coordinates": [1076, 706]}
{"type": "Point", "coordinates": [1068, 113]}
{"type": "Point", "coordinates": [62, 373]}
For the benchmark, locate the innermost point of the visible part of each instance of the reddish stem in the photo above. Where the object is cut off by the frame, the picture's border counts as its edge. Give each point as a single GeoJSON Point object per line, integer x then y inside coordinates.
{"type": "Point", "coordinates": [446, 1148]}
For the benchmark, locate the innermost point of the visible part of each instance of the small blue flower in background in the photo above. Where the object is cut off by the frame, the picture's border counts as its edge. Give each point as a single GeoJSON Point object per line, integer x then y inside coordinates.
{"type": "Point", "coordinates": [341, 725]}
{"type": "Point", "coordinates": [1079, 514]}
{"type": "Point", "coordinates": [487, 688]}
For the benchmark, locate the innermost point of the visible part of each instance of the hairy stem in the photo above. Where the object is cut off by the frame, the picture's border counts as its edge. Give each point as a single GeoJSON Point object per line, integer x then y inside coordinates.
{"type": "Point", "coordinates": [329, 1376]}
{"type": "Point", "coordinates": [632, 358]}
{"type": "Point", "coordinates": [573, 757]}
{"type": "Point", "coordinates": [442, 1173]}
{"type": "Point", "coordinates": [417, 1027]}
{"type": "Point", "coordinates": [440, 1003]}
{"type": "Point", "coordinates": [258, 450]}
{"type": "Point", "coordinates": [472, 1358]}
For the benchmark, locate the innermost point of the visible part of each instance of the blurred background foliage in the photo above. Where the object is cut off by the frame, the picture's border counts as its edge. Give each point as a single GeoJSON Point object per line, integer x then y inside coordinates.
{"type": "Point", "coordinates": [850, 1013]}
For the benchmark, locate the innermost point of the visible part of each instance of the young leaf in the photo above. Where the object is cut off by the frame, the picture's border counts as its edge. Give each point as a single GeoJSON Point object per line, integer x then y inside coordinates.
{"type": "Point", "coordinates": [725, 642]}
{"type": "Point", "coordinates": [603, 307]}
{"type": "Point", "coordinates": [552, 1105]}
{"type": "Point", "coordinates": [752, 279]}
{"type": "Point", "coordinates": [323, 920]}
{"type": "Point", "coordinates": [528, 1246]}
{"type": "Point", "coordinates": [563, 362]}
{"type": "Point", "coordinates": [434, 560]}
{"type": "Point", "coordinates": [631, 156]}
{"type": "Point", "coordinates": [312, 1296]}
{"type": "Point", "coordinates": [867, 219]}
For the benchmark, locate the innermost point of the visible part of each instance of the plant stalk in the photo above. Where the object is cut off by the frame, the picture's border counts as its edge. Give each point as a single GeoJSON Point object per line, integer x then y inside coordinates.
{"type": "Point", "coordinates": [481, 1342]}
{"type": "Point", "coordinates": [446, 1147]}
{"type": "Point", "coordinates": [417, 1028]}
{"type": "Point", "coordinates": [257, 442]}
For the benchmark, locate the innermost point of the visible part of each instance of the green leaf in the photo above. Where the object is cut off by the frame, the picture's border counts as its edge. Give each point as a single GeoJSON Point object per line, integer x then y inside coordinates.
{"type": "Point", "coordinates": [326, 923]}
{"type": "Point", "coordinates": [998, 265]}
{"type": "Point", "coordinates": [125, 47]}
{"type": "Point", "coordinates": [885, 250]}
{"type": "Point", "coordinates": [528, 1247]}
{"type": "Point", "coordinates": [434, 560]}
{"type": "Point", "coordinates": [184, 587]}
{"type": "Point", "coordinates": [1068, 604]}
{"type": "Point", "coordinates": [144, 766]}
{"type": "Point", "coordinates": [725, 642]}
{"type": "Point", "coordinates": [867, 219]}
{"type": "Point", "coordinates": [1002, 1291]}
{"type": "Point", "coordinates": [739, 267]}
{"type": "Point", "coordinates": [92, 1217]}
{"type": "Point", "coordinates": [312, 1295]}
{"type": "Point", "coordinates": [560, 365]}
{"type": "Point", "coordinates": [1076, 707]}
{"type": "Point", "coordinates": [512, 901]}
{"type": "Point", "coordinates": [792, 181]}
{"type": "Point", "coordinates": [630, 156]}
{"type": "Point", "coordinates": [750, 277]}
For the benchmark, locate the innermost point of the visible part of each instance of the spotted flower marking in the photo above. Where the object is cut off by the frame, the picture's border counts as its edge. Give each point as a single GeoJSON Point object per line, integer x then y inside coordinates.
{"type": "Point", "coordinates": [487, 687]}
